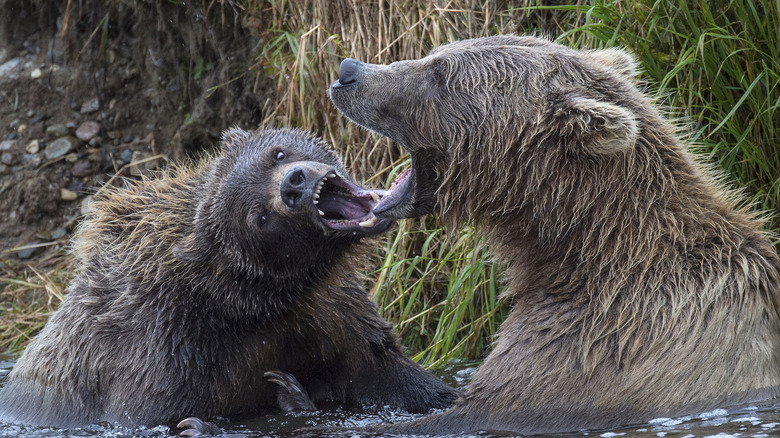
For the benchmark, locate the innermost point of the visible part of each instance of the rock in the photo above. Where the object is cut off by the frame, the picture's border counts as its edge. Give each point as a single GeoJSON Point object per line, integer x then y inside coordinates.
{"type": "Point", "coordinates": [26, 252]}
{"type": "Point", "coordinates": [33, 147]}
{"type": "Point", "coordinates": [59, 147]}
{"type": "Point", "coordinates": [6, 145]}
{"type": "Point", "coordinates": [38, 118]}
{"type": "Point", "coordinates": [71, 157]}
{"type": "Point", "coordinates": [58, 233]}
{"type": "Point", "coordinates": [86, 205]}
{"type": "Point", "coordinates": [88, 130]}
{"type": "Point", "coordinates": [127, 138]}
{"type": "Point", "coordinates": [8, 158]}
{"type": "Point", "coordinates": [57, 130]}
{"type": "Point", "coordinates": [90, 107]}
{"type": "Point", "coordinates": [6, 68]}
{"type": "Point", "coordinates": [82, 168]}
{"type": "Point", "coordinates": [3, 170]}
{"type": "Point", "coordinates": [68, 195]}
{"type": "Point", "coordinates": [21, 128]}
{"type": "Point", "coordinates": [36, 74]}
{"type": "Point", "coordinates": [126, 155]}
{"type": "Point", "coordinates": [137, 169]}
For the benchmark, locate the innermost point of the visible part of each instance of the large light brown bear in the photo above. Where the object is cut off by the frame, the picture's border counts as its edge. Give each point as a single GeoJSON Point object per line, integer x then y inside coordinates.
{"type": "Point", "coordinates": [640, 289]}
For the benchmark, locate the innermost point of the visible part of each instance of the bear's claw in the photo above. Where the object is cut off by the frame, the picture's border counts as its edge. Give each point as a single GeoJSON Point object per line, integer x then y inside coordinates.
{"type": "Point", "coordinates": [196, 427]}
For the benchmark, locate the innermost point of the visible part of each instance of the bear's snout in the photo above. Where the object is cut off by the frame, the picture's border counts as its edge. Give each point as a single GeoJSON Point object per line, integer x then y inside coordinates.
{"type": "Point", "coordinates": [293, 186]}
{"type": "Point", "coordinates": [348, 71]}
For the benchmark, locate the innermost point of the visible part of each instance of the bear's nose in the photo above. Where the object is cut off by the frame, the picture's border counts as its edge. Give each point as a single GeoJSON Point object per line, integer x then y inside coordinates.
{"type": "Point", "coordinates": [348, 71]}
{"type": "Point", "coordinates": [293, 186]}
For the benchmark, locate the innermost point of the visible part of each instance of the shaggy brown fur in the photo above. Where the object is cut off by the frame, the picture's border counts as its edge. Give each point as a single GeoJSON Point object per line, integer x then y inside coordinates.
{"type": "Point", "coordinates": [640, 289]}
{"type": "Point", "coordinates": [194, 284]}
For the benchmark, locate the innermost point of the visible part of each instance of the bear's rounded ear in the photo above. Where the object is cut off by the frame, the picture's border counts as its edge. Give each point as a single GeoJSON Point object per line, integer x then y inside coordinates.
{"type": "Point", "coordinates": [233, 136]}
{"type": "Point", "coordinates": [595, 126]}
{"type": "Point", "coordinates": [616, 60]}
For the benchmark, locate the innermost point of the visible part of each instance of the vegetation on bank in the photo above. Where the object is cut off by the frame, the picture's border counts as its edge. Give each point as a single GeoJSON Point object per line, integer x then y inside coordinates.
{"type": "Point", "coordinates": [715, 68]}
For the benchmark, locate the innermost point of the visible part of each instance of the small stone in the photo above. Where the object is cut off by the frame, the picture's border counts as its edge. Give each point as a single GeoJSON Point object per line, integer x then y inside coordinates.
{"type": "Point", "coordinates": [38, 118]}
{"type": "Point", "coordinates": [36, 74]}
{"type": "Point", "coordinates": [57, 130]}
{"type": "Point", "coordinates": [58, 148]}
{"type": "Point", "coordinates": [68, 195]}
{"type": "Point", "coordinates": [3, 170]}
{"type": "Point", "coordinates": [21, 128]}
{"type": "Point", "coordinates": [58, 233]}
{"type": "Point", "coordinates": [33, 147]}
{"type": "Point", "coordinates": [30, 113]}
{"type": "Point", "coordinates": [126, 155]}
{"type": "Point", "coordinates": [127, 138]}
{"type": "Point", "coordinates": [86, 205]}
{"type": "Point", "coordinates": [71, 157]}
{"type": "Point", "coordinates": [8, 158]}
{"type": "Point", "coordinates": [6, 145]}
{"type": "Point", "coordinates": [82, 168]}
{"type": "Point", "coordinates": [88, 130]}
{"type": "Point", "coordinates": [95, 142]}
{"type": "Point", "coordinates": [137, 169]}
{"type": "Point", "coordinates": [90, 107]}
{"type": "Point", "coordinates": [28, 252]}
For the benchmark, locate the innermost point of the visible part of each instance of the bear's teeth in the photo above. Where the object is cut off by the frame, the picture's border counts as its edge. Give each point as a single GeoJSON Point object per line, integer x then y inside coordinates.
{"type": "Point", "coordinates": [330, 175]}
{"type": "Point", "coordinates": [368, 222]}
{"type": "Point", "coordinates": [388, 193]}
{"type": "Point", "coordinates": [374, 196]}
{"type": "Point", "coordinates": [316, 196]}
{"type": "Point", "coordinates": [320, 212]}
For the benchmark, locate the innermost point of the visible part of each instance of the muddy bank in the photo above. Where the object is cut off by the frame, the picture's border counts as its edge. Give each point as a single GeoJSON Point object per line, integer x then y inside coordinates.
{"type": "Point", "coordinates": [88, 90]}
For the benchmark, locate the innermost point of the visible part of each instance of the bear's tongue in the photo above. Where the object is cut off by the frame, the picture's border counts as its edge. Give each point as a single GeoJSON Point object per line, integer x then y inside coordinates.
{"type": "Point", "coordinates": [340, 206]}
{"type": "Point", "coordinates": [344, 206]}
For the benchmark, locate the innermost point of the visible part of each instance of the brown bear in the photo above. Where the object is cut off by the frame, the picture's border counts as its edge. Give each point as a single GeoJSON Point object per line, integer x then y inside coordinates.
{"type": "Point", "coordinates": [640, 289]}
{"type": "Point", "coordinates": [193, 285]}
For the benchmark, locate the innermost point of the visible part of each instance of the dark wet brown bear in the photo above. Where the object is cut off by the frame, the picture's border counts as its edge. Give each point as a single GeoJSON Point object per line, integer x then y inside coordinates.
{"type": "Point", "coordinates": [640, 289]}
{"type": "Point", "coordinates": [194, 284]}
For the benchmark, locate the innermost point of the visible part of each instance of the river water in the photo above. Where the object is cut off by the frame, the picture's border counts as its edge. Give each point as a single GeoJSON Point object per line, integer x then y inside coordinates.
{"type": "Point", "coordinates": [747, 421]}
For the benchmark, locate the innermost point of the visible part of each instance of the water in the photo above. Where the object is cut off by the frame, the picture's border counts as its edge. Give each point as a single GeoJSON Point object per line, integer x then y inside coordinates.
{"type": "Point", "coordinates": [748, 421]}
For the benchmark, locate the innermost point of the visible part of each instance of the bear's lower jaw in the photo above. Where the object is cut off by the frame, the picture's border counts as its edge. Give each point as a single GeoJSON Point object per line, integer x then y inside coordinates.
{"type": "Point", "coordinates": [397, 198]}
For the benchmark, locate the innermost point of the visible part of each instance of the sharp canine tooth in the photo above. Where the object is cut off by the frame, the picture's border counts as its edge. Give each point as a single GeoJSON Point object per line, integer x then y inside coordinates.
{"type": "Point", "coordinates": [321, 213]}
{"type": "Point", "coordinates": [316, 201]}
{"type": "Point", "coordinates": [374, 196]}
{"type": "Point", "coordinates": [330, 175]}
{"type": "Point", "coordinates": [368, 222]}
{"type": "Point", "coordinates": [388, 193]}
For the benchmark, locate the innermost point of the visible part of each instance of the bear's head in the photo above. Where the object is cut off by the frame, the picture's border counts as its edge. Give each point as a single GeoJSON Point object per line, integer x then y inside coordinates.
{"type": "Point", "coordinates": [277, 203]}
{"type": "Point", "coordinates": [479, 116]}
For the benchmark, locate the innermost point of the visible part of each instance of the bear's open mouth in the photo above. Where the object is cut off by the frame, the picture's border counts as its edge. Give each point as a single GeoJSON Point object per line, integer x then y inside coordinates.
{"type": "Point", "coordinates": [344, 206]}
{"type": "Point", "coordinates": [399, 192]}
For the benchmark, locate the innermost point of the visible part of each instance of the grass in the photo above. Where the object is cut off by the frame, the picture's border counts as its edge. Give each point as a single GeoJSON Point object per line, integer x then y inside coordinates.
{"type": "Point", "coordinates": [715, 68]}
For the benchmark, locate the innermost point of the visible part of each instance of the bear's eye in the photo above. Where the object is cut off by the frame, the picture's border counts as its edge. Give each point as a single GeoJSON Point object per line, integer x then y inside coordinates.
{"type": "Point", "coordinates": [280, 155]}
{"type": "Point", "coordinates": [257, 219]}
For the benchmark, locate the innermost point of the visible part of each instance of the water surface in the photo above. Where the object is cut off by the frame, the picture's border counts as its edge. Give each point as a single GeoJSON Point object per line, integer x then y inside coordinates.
{"type": "Point", "coordinates": [748, 421]}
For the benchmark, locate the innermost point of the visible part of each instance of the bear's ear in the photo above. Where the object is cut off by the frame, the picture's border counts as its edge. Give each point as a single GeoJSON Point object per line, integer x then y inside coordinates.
{"type": "Point", "coordinates": [594, 126]}
{"type": "Point", "coordinates": [233, 136]}
{"type": "Point", "coordinates": [616, 60]}
{"type": "Point", "coordinates": [191, 249]}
